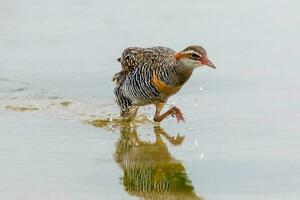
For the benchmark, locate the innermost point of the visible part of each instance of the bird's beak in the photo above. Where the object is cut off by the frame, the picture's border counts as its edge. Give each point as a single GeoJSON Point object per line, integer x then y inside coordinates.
{"type": "Point", "coordinates": [205, 61]}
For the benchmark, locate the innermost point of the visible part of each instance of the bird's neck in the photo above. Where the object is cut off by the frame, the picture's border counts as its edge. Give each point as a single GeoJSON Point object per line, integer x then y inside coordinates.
{"type": "Point", "coordinates": [182, 73]}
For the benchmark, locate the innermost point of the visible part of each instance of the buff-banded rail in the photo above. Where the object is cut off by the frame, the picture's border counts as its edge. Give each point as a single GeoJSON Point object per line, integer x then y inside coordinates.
{"type": "Point", "coordinates": [152, 75]}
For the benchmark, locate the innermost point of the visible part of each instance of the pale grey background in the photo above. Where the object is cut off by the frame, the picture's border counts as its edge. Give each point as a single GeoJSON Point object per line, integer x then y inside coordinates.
{"type": "Point", "coordinates": [245, 121]}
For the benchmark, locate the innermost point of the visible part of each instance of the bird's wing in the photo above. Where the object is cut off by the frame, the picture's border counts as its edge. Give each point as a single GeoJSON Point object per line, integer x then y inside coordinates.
{"type": "Point", "coordinates": [152, 58]}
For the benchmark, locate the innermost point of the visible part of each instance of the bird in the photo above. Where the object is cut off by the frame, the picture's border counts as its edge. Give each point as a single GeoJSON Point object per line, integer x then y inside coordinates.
{"type": "Point", "coordinates": [152, 75]}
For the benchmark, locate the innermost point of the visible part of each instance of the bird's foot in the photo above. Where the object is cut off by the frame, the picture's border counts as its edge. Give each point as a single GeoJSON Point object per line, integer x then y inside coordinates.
{"type": "Point", "coordinates": [176, 112]}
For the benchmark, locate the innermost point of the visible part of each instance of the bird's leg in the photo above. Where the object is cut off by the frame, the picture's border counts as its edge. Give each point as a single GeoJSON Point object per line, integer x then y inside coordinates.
{"type": "Point", "coordinates": [174, 112]}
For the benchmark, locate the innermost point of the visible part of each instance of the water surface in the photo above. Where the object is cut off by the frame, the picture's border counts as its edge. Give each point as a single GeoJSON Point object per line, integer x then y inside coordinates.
{"type": "Point", "coordinates": [60, 133]}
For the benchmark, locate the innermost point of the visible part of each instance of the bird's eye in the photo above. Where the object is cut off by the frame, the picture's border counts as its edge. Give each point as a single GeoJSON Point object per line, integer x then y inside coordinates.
{"type": "Point", "coordinates": [194, 55]}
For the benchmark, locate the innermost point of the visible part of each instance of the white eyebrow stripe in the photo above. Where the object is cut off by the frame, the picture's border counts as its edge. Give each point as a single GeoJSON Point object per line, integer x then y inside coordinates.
{"type": "Point", "coordinates": [191, 51]}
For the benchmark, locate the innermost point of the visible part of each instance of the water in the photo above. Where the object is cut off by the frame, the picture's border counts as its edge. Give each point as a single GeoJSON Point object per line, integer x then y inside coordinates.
{"type": "Point", "coordinates": [60, 135]}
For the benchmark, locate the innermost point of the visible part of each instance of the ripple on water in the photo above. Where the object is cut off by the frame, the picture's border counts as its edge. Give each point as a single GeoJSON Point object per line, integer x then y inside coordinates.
{"type": "Point", "coordinates": [21, 109]}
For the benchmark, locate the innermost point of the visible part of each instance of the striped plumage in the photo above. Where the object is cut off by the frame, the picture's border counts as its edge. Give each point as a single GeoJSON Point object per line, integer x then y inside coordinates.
{"type": "Point", "coordinates": [152, 75]}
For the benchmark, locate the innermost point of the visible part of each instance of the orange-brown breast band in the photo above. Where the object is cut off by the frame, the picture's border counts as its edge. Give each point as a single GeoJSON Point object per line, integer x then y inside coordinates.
{"type": "Point", "coordinates": [163, 87]}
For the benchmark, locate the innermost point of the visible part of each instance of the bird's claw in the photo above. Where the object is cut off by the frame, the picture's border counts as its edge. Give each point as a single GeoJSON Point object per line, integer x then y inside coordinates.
{"type": "Point", "coordinates": [176, 112]}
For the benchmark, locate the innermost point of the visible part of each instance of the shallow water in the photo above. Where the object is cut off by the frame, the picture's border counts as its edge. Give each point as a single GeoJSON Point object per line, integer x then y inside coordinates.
{"type": "Point", "coordinates": [61, 137]}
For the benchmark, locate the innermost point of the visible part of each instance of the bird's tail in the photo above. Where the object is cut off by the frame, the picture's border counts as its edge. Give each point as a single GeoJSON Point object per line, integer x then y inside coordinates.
{"type": "Point", "coordinates": [118, 77]}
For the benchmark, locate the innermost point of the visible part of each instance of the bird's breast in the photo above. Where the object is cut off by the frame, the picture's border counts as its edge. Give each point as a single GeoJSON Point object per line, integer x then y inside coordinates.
{"type": "Point", "coordinates": [162, 87]}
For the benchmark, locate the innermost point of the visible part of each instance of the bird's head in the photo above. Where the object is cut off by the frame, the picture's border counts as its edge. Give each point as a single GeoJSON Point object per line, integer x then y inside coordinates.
{"type": "Point", "coordinates": [193, 56]}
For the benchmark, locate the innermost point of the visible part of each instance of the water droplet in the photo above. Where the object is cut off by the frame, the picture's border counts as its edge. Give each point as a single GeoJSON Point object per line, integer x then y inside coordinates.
{"type": "Point", "coordinates": [196, 143]}
{"type": "Point", "coordinates": [201, 156]}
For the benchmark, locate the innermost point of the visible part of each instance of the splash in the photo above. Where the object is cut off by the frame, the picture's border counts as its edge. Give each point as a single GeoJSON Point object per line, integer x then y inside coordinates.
{"type": "Point", "coordinates": [112, 123]}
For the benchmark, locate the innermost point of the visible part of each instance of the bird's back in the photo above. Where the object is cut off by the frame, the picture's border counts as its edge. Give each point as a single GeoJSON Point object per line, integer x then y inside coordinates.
{"type": "Point", "coordinates": [148, 58]}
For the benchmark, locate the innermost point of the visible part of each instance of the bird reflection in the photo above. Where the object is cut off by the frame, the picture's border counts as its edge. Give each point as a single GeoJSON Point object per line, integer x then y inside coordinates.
{"type": "Point", "coordinates": [149, 170]}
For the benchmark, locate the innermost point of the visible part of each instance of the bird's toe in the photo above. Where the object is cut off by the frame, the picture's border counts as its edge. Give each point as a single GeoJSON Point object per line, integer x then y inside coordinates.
{"type": "Point", "coordinates": [176, 112]}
